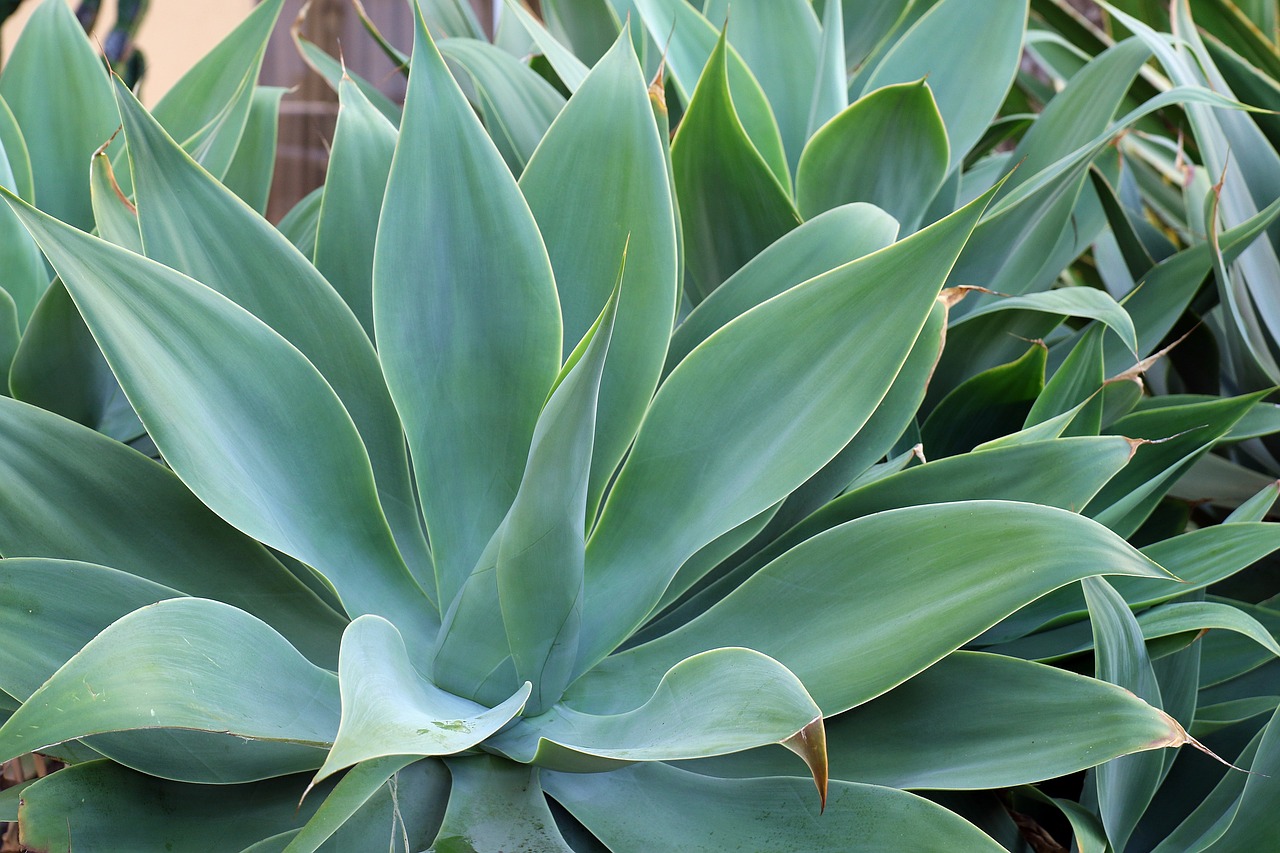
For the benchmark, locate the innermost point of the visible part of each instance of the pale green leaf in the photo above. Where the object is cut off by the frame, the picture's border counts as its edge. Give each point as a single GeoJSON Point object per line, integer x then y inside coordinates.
{"type": "Point", "coordinates": [466, 317]}
{"type": "Point", "coordinates": [183, 350]}
{"type": "Point", "coordinates": [714, 703]}
{"type": "Point", "coordinates": [999, 721]}
{"type": "Point", "coordinates": [189, 664]}
{"type": "Point", "coordinates": [389, 709]}
{"type": "Point", "coordinates": [127, 511]}
{"type": "Point", "coordinates": [193, 224]}
{"type": "Point", "coordinates": [969, 51]}
{"type": "Point", "coordinates": [982, 560]}
{"type": "Point", "coordinates": [363, 145]}
{"type": "Point", "coordinates": [889, 148]}
{"type": "Point", "coordinates": [56, 85]}
{"type": "Point", "coordinates": [683, 483]}
{"type": "Point", "coordinates": [253, 167]}
{"type": "Point", "coordinates": [496, 805]}
{"type": "Point", "coordinates": [657, 807]}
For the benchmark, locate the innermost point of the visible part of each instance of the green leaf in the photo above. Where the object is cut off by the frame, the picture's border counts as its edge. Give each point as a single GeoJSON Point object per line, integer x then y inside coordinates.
{"type": "Point", "coordinates": [52, 608]}
{"type": "Point", "coordinates": [496, 805]}
{"type": "Point", "coordinates": [1164, 621]}
{"type": "Point", "coordinates": [1125, 785]}
{"type": "Point", "coordinates": [333, 72]}
{"type": "Point", "coordinates": [183, 350]}
{"type": "Point", "coordinates": [604, 153]}
{"type": "Point", "coordinates": [191, 664]}
{"type": "Point", "coordinates": [467, 322]}
{"type": "Point", "coordinates": [516, 103]}
{"type": "Point", "coordinates": [1076, 388]}
{"type": "Point", "coordinates": [363, 145]}
{"type": "Point", "coordinates": [996, 402]}
{"type": "Point", "coordinates": [388, 709]}
{"type": "Point", "coordinates": [1027, 550]}
{"type": "Point", "coordinates": [714, 703]}
{"type": "Point", "coordinates": [1190, 432]}
{"type": "Point", "coordinates": [889, 148]}
{"type": "Point", "coordinates": [1198, 559]}
{"type": "Point", "coordinates": [15, 150]}
{"type": "Point", "coordinates": [569, 68]}
{"type": "Point", "coordinates": [657, 807]}
{"type": "Point", "coordinates": [1064, 474]}
{"type": "Point", "coordinates": [688, 40]}
{"type": "Point", "coordinates": [194, 224]}
{"type": "Point", "coordinates": [731, 205]}
{"type": "Point", "coordinates": [590, 26]}
{"type": "Point", "coordinates": [1071, 302]}
{"type": "Point", "coordinates": [113, 212]}
{"type": "Point", "coordinates": [79, 810]}
{"type": "Point", "coordinates": [250, 173]}
{"type": "Point", "coordinates": [969, 51]}
{"type": "Point", "coordinates": [999, 721]}
{"type": "Point", "coordinates": [59, 367]}
{"type": "Point", "coordinates": [530, 578]}
{"type": "Point", "coordinates": [453, 18]}
{"type": "Point", "coordinates": [831, 89]}
{"type": "Point", "coordinates": [125, 510]}
{"type": "Point", "coordinates": [26, 276]}
{"type": "Point", "coordinates": [301, 224]}
{"type": "Point", "coordinates": [684, 484]}
{"type": "Point", "coordinates": [65, 124]}
{"type": "Point", "coordinates": [201, 98]}
{"type": "Point", "coordinates": [829, 240]}
{"type": "Point", "coordinates": [780, 41]}
{"type": "Point", "coordinates": [352, 792]}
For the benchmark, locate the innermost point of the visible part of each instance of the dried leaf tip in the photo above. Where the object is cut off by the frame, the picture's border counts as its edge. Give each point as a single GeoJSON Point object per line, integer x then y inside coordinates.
{"type": "Point", "coordinates": [810, 743]}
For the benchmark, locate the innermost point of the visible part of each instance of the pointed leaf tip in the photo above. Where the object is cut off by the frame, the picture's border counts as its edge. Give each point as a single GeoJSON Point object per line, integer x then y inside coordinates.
{"type": "Point", "coordinates": [810, 743]}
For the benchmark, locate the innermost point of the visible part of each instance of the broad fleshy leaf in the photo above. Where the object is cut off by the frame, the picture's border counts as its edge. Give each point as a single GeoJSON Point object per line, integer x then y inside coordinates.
{"type": "Point", "coordinates": [712, 412]}
{"type": "Point", "coordinates": [982, 560]}
{"type": "Point", "coordinates": [389, 709]}
{"type": "Point", "coordinates": [465, 312]}
{"type": "Point", "coordinates": [496, 805]}
{"type": "Point", "coordinates": [999, 721]}
{"type": "Point", "coordinates": [187, 663]}
{"type": "Point", "coordinates": [283, 439]}
{"type": "Point", "coordinates": [889, 148]}
{"type": "Point", "coordinates": [657, 807]}
{"type": "Point", "coordinates": [603, 153]}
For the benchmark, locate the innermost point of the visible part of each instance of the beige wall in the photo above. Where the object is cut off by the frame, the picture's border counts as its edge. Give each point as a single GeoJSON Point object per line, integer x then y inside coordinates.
{"type": "Point", "coordinates": [174, 34]}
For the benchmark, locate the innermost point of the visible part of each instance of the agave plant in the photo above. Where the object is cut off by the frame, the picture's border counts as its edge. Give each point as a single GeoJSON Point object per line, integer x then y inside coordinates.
{"type": "Point", "coordinates": [463, 542]}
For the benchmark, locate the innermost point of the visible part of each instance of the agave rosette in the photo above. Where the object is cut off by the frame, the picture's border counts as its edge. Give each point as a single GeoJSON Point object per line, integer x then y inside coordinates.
{"type": "Point", "coordinates": [547, 569]}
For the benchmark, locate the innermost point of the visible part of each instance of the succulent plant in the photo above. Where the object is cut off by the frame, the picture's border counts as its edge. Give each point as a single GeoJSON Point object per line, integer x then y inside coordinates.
{"type": "Point", "coordinates": [549, 482]}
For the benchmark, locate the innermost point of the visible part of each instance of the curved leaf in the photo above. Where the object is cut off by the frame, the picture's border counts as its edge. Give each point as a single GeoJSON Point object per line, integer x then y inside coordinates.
{"type": "Point", "coordinates": [62, 125]}
{"type": "Point", "coordinates": [125, 510]}
{"type": "Point", "coordinates": [980, 561]}
{"type": "Point", "coordinates": [889, 148]}
{"type": "Point", "coordinates": [736, 397]}
{"type": "Point", "coordinates": [466, 317]}
{"type": "Point", "coordinates": [657, 807]}
{"type": "Point", "coordinates": [192, 223]}
{"type": "Point", "coordinates": [388, 709]}
{"type": "Point", "coordinates": [688, 40]}
{"type": "Point", "coordinates": [496, 805]}
{"type": "Point", "coordinates": [829, 240]}
{"type": "Point", "coordinates": [714, 703]}
{"type": "Point", "coordinates": [969, 51]}
{"type": "Point", "coordinates": [998, 721]}
{"type": "Point", "coordinates": [354, 185]}
{"type": "Point", "coordinates": [190, 663]}
{"type": "Point", "coordinates": [603, 153]}
{"type": "Point", "coordinates": [352, 792]}
{"type": "Point", "coordinates": [50, 609]}
{"type": "Point", "coordinates": [731, 205]}
{"type": "Point", "coordinates": [517, 104]}
{"type": "Point", "coordinates": [283, 439]}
